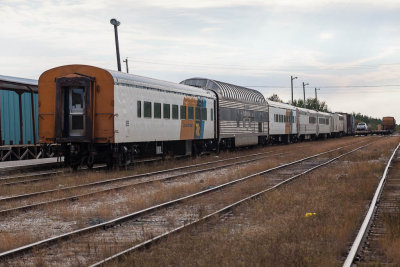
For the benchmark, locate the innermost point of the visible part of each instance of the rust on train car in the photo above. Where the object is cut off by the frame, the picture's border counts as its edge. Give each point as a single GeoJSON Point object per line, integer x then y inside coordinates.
{"type": "Point", "coordinates": [99, 112]}
{"type": "Point", "coordinates": [388, 123]}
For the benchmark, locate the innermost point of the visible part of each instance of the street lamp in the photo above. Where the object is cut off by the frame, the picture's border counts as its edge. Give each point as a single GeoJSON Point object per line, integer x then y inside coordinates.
{"type": "Point", "coordinates": [291, 82]}
{"type": "Point", "coordinates": [304, 92]}
{"type": "Point", "coordinates": [116, 23]}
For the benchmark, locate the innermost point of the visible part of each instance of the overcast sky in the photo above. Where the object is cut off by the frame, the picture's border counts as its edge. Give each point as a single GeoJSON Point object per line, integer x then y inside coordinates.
{"type": "Point", "coordinates": [349, 49]}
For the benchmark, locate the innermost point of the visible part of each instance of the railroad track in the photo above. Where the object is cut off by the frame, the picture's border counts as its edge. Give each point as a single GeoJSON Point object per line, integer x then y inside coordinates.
{"type": "Point", "coordinates": [366, 248]}
{"type": "Point", "coordinates": [166, 218]}
{"type": "Point", "coordinates": [49, 170]}
{"type": "Point", "coordinates": [27, 198]}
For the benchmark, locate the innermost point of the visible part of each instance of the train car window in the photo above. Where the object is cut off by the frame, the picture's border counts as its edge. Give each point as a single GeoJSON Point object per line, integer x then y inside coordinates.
{"type": "Point", "coordinates": [212, 114]}
{"type": "Point", "coordinates": [190, 113]}
{"type": "Point", "coordinates": [204, 114]}
{"type": "Point", "coordinates": [198, 115]}
{"type": "Point", "coordinates": [139, 109]}
{"type": "Point", "coordinates": [175, 114]}
{"type": "Point", "coordinates": [147, 109]}
{"type": "Point", "coordinates": [167, 111]}
{"type": "Point", "coordinates": [327, 121]}
{"type": "Point", "coordinates": [157, 110]}
{"type": "Point", "coordinates": [183, 112]}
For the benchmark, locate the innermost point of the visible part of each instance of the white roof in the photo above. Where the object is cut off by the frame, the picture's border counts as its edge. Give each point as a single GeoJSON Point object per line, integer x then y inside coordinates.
{"type": "Point", "coordinates": [307, 110]}
{"type": "Point", "coordinates": [280, 105]}
{"type": "Point", "coordinates": [125, 78]}
{"type": "Point", "coordinates": [16, 84]}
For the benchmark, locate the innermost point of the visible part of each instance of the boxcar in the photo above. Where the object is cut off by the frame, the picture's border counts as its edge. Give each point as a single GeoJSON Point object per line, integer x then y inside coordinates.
{"type": "Point", "coordinates": [389, 124]}
{"type": "Point", "coordinates": [18, 118]}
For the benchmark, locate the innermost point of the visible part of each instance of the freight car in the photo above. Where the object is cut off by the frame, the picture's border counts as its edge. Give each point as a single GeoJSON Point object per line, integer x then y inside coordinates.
{"type": "Point", "coordinates": [389, 124]}
{"type": "Point", "coordinates": [99, 115]}
{"type": "Point", "coordinates": [18, 118]}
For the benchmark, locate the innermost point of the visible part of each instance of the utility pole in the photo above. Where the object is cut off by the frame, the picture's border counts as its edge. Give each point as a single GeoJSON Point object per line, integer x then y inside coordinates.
{"type": "Point", "coordinates": [116, 23]}
{"type": "Point", "coordinates": [126, 62]}
{"type": "Point", "coordinates": [304, 92]}
{"type": "Point", "coordinates": [316, 99]}
{"type": "Point", "coordinates": [291, 81]}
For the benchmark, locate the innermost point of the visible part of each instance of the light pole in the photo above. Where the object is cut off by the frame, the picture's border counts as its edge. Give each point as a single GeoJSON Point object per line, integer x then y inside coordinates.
{"type": "Point", "coordinates": [116, 23]}
{"type": "Point", "coordinates": [304, 92]}
{"type": "Point", "coordinates": [126, 62]}
{"type": "Point", "coordinates": [291, 82]}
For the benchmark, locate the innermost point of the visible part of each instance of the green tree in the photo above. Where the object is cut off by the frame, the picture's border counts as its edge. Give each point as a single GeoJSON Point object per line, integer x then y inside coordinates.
{"type": "Point", "coordinates": [311, 103]}
{"type": "Point", "coordinates": [275, 98]}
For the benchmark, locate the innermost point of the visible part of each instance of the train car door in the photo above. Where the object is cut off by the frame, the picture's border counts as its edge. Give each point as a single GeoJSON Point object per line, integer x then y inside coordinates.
{"type": "Point", "coordinates": [74, 115]}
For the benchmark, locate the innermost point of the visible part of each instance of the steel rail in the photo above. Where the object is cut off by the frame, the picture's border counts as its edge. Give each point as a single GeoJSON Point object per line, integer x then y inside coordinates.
{"type": "Point", "coordinates": [100, 166]}
{"type": "Point", "coordinates": [123, 178]}
{"type": "Point", "coordinates": [149, 242]}
{"type": "Point", "coordinates": [76, 197]}
{"type": "Point", "coordinates": [355, 248]}
{"type": "Point", "coordinates": [133, 215]}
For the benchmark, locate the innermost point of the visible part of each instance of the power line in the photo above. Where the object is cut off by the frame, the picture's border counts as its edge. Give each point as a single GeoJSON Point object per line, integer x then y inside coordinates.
{"type": "Point", "coordinates": [327, 86]}
{"type": "Point", "coordinates": [269, 68]}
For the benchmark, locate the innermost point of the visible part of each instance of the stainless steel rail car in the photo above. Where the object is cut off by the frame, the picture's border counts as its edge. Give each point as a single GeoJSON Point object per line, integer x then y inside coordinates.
{"type": "Point", "coordinates": [242, 113]}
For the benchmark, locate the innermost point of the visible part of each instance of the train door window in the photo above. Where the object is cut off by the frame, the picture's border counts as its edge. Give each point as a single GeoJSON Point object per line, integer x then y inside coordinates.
{"type": "Point", "coordinates": [157, 110]}
{"type": "Point", "coordinates": [175, 114]}
{"type": "Point", "coordinates": [147, 109]}
{"type": "Point", "coordinates": [204, 114]}
{"type": "Point", "coordinates": [77, 111]}
{"type": "Point", "coordinates": [260, 128]}
{"type": "Point", "coordinates": [139, 109]}
{"type": "Point", "coordinates": [190, 113]}
{"type": "Point", "coordinates": [183, 112]}
{"type": "Point", "coordinates": [212, 114]}
{"type": "Point", "coordinates": [167, 111]}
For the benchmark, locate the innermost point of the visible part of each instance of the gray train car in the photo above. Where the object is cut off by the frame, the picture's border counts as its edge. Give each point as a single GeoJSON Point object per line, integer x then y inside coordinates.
{"type": "Point", "coordinates": [243, 113]}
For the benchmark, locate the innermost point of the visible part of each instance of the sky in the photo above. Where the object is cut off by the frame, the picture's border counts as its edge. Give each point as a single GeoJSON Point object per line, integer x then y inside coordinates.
{"type": "Point", "coordinates": [350, 50]}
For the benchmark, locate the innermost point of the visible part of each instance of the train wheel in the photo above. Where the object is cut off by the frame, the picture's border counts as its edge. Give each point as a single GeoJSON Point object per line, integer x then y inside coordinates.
{"type": "Point", "coordinates": [90, 161]}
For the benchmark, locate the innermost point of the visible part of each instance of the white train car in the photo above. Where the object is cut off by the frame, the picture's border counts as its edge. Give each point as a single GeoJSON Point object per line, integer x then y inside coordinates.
{"type": "Point", "coordinates": [337, 126]}
{"type": "Point", "coordinates": [282, 122]}
{"type": "Point", "coordinates": [324, 124]}
{"type": "Point", "coordinates": [307, 125]}
{"type": "Point", "coordinates": [243, 113]}
{"type": "Point", "coordinates": [99, 115]}
{"type": "Point", "coordinates": [151, 110]}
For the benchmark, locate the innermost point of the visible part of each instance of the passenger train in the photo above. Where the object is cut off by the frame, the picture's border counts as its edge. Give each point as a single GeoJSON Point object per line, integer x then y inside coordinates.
{"type": "Point", "coordinates": [99, 115]}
